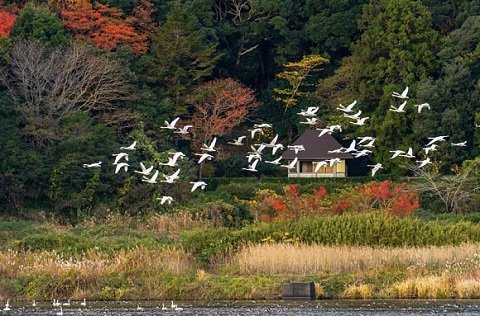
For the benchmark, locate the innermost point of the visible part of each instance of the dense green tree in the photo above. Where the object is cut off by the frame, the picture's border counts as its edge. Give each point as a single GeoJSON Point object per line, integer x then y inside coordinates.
{"type": "Point", "coordinates": [258, 37]}
{"type": "Point", "coordinates": [454, 95]}
{"type": "Point", "coordinates": [332, 25]}
{"type": "Point", "coordinates": [37, 22]}
{"type": "Point", "coordinates": [5, 47]}
{"type": "Point", "coordinates": [450, 15]}
{"type": "Point", "coordinates": [180, 58]}
{"type": "Point", "coordinates": [73, 190]}
{"type": "Point", "coordinates": [397, 48]}
{"type": "Point", "coordinates": [22, 168]}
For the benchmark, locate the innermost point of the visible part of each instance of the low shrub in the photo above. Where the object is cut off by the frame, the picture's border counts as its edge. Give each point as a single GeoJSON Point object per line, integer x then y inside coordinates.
{"type": "Point", "coordinates": [367, 229]}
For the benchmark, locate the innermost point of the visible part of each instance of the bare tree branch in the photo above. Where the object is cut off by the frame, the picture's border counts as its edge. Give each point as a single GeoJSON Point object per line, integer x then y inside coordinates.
{"type": "Point", "coordinates": [46, 85]}
{"type": "Point", "coordinates": [456, 191]}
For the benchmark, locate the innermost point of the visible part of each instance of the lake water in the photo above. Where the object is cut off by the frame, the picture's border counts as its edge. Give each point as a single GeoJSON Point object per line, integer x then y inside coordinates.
{"type": "Point", "coordinates": [260, 308]}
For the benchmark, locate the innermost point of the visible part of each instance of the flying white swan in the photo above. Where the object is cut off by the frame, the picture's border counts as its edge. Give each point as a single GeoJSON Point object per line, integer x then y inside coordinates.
{"type": "Point", "coordinates": [396, 153]}
{"type": "Point", "coordinates": [324, 131]}
{"type": "Point", "coordinates": [196, 185]}
{"type": "Point", "coordinates": [296, 148]}
{"type": "Point", "coordinates": [257, 151]}
{"type": "Point", "coordinates": [131, 147]}
{"type": "Point", "coordinates": [360, 121]}
{"type": "Point", "coordinates": [172, 178]}
{"type": "Point", "coordinates": [432, 147]}
{"type": "Point", "coordinates": [335, 128]}
{"type": "Point", "coordinates": [121, 165]}
{"type": "Point", "coordinates": [210, 147]}
{"type": "Point", "coordinates": [172, 161]}
{"type": "Point", "coordinates": [402, 95]}
{"type": "Point", "coordinates": [252, 166]}
{"type": "Point", "coordinates": [351, 148]}
{"type": "Point", "coordinates": [145, 171]}
{"type": "Point", "coordinates": [424, 162]}
{"type": "Point", "coordinates": [276, 147]}
{"type": "Point", "coordinates": [347, 108]}
{"type": "Point", "coordinates": [355, 116]}
{"type": "Point", "coordinates": [337, 151]}
{"type": "Point", "coordinates": [274, 162]}
{"type": "Point", "coordinates": [254, 131]}
{"type": "Point", "coordinates": [238, 141]}
{"type": "Point", "coordinates": [262, 125]}
{"type": "Point", "coordinates": [165, 199]}
{"type": "Point", "coordinates": [333, 161]}
{"type": "Point", "coordinates": [203, 156]}
{"type": "Point", "coordinates": [252, 156]}
{"type": "Point", "coordinates": [119, 156]}
{"type": "Point", "coordinates": [309, 112]}
{"type": "Point", "coordinates": [408, 154]}
{"type": "Point", "coordinates": [422, 106]}
{"type": "Point", "coordinates": [367, 145]}
{"type": "Point", "coordinates": [170, 125]}
{"type": "Point", "coordinates": [363, 139]}
{"type": "Point", "coordinates": [153, 179]}
{"type": "Point", "coordinates": [436, 139]}
{"type": "Point", "coordinates": [320, 164]}
{"type": "Point", "coordinates": [291, 165]}
{"type": "Point", "coordinates": [310, 121]}
{"type": "Point", "coordinates": [273, 142]}
{"type": "Point", "coordinates": [183, 130]}
{"type": "Point", "coordinates": [375, 168]}
{"type": "Point", "coordinates": [461, 144]}
{"type": "Point", "coordinates": [363, 152]}
{"type": "Point", "coordinates": [399, 109]}
{"type": "Point", "coordinates": [93, 165]}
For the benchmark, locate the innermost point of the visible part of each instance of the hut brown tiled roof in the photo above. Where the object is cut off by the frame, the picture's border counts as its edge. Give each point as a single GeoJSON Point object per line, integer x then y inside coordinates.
{"type": "Point", "coordinates": [316, 148]}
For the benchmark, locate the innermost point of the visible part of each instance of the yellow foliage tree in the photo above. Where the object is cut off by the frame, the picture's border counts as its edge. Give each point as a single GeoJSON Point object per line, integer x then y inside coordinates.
{"type": "Point", "coordinates": [296, 74]}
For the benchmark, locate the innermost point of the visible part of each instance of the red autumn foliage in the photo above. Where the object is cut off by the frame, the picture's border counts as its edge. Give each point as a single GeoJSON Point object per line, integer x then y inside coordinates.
{"type": "Point", "coordinates": [293, 190]}
{"type": "Point", "coordinates": [223, 104]}
{"type": "Point", "coordinates": [278, 205]}
{"type": "Point", "coordinates": [294, 205]}
{"type": "Point", "coordinates": [7, 20]}
{"type": "Point", "coordinates": [105, 27]}
{"type": "Point", "coordinates": [320, 193]}
{"type": "Point", "coordinates": [396, 199]}
{"type": "Point", "coordinates": [341, 206]}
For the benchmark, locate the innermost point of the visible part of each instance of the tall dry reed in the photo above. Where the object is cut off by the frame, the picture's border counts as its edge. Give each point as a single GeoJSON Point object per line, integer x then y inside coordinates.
{"type": "Point", "coordinates": [302, 259]}
{"type": "Point", "coordinates": [133, 262]}
{"type": "Point", "coordinates": [173, 224]}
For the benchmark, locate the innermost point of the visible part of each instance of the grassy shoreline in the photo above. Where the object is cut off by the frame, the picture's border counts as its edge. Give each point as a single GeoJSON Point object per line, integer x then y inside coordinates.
{"type": "Point", "coordinates": [143, 259]}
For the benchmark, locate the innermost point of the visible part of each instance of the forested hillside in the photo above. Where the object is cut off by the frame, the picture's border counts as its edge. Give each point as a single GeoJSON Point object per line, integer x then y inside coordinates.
{"type": "Point", "coordinates": [80, 79]}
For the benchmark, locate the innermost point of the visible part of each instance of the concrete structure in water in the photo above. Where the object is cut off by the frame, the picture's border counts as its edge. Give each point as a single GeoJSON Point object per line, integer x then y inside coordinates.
{"type": "Point", "coordinates": [299, 291]}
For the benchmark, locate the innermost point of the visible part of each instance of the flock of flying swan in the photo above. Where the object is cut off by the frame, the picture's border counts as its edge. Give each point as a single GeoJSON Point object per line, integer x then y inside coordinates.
{"type": "Point", "coordinates": [361, 146]}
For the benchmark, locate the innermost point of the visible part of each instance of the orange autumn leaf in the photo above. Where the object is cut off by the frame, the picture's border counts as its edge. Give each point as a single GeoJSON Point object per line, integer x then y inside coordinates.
{"type": "Point", "coordinates": [224, 104]}
{"type": "Point", "coordinates": [105, 27]}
